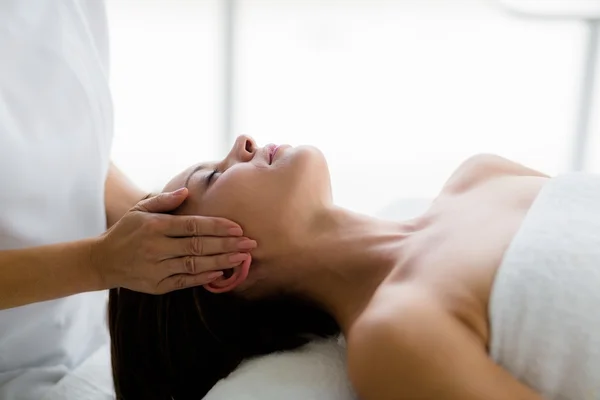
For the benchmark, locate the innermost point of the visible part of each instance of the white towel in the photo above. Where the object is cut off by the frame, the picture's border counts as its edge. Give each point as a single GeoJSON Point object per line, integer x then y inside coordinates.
{"type": "Point", "coordinates": [316, 371]}
{"type": "Point", "coordinates": [545, 303]}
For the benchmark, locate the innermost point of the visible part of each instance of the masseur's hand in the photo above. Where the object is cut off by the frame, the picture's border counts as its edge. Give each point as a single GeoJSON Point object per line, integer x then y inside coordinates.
{"type": "Point", "coordinates": [152, 252]}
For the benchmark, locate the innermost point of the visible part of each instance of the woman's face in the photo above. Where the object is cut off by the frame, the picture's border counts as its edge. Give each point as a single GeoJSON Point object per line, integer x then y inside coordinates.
{"type": "Point", "coordinates": [270, 191]}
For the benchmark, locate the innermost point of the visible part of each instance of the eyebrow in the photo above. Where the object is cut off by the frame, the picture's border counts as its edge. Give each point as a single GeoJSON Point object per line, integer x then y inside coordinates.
{"type": "Point", "coordinates": [198, 168]}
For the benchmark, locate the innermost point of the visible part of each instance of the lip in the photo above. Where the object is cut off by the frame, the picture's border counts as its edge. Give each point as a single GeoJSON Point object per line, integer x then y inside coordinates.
{"type": "Point", "coordinates": [271, 151]}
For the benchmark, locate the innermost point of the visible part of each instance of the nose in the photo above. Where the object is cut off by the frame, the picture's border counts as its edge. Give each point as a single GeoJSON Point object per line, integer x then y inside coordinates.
{"type": "Point", "coordinates": [243, 149]}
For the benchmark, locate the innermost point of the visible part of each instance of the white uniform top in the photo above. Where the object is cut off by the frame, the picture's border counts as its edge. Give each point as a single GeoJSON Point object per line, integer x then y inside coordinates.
{"type": "Point", "coordinates": [55, 137]}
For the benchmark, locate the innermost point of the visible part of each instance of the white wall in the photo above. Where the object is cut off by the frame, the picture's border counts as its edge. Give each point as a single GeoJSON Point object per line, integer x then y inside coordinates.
{"type": "Point", "coordinates": [396, 93]}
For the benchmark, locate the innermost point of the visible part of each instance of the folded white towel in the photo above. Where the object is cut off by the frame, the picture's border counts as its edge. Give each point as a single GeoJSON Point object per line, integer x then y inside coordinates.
{"type": "Point", "coordinates": [545, 304]}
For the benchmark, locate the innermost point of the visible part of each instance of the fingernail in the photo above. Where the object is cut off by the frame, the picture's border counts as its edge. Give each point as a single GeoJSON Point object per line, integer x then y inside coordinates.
{"type": "Point", "coordinates": [214, 275]}
{"type": "Point", "coordinates": [178, 191]}
{"type": "Point", "coordinates": [247, 244]}
{"type": "Point", "coordinates": [237, 231]}
{"type": "Point", "coordinates": [237, 258]}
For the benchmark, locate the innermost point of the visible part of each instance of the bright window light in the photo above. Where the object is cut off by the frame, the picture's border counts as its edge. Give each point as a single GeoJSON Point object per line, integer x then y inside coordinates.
{"type": "Point", "coordinates": [395, 93]}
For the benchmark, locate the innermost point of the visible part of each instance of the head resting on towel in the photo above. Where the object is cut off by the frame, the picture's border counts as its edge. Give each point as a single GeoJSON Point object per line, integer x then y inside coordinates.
{"type": "Point", "coordinates": [178, 345]}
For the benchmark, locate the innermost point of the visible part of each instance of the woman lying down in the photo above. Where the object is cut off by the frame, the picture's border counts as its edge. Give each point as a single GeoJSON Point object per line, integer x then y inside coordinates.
{"type": "Point", "coordinates": [493, 293]}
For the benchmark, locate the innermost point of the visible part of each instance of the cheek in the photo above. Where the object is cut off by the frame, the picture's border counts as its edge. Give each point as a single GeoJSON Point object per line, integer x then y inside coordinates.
{"type": "Point", "coordinates": [235, 195]}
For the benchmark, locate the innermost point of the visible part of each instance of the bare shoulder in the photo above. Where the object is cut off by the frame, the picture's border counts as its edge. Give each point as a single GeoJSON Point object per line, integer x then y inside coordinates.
{"type": "Point", "coordinates": [389, 330]}
{"type": "Point", "coordinates": [408, 346]}
{"type": "Point", "coordinates": [483, 167]}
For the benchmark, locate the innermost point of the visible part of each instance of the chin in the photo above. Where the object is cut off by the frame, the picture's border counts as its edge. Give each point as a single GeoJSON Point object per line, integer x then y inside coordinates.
{"type": "Point", "coordinates": [308, 161]}
{"type": "Point", "coordinates": [310, 156]}
{"type": "Point", "coordinates": [310, 149]}
{"type": "Point", "coordinates": [310, 167]}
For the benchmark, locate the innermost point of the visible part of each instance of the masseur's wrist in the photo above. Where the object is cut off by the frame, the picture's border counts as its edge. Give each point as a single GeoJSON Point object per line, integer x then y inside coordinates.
{"type": "Point", "coordinates": [94, 264]}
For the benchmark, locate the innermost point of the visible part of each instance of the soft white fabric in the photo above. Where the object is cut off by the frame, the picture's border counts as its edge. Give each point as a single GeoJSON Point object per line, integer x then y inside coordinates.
{"type": "Point", "coordinates": [55, 136]}
{"type": "Point", "coordinates": [89, 381]}
{"type": "Point", "coordinates": [315, 372]}
{"type": "Point", "coordinates": [545, 303]}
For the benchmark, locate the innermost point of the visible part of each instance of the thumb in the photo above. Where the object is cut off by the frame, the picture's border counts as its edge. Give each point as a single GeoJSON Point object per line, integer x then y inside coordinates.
{"type": "Point", "coordinates": [163, 202]}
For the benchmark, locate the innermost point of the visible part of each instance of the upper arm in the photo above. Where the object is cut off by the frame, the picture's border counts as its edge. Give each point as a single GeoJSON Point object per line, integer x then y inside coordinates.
{"type": "Point", "coordinates": [417, 351]}
{"type": "Point", "coordinates": [484, 166]}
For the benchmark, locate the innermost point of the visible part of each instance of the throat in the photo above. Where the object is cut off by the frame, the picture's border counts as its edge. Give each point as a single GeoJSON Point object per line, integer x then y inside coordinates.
{"type": "Point", "coordinates": [347, 258]}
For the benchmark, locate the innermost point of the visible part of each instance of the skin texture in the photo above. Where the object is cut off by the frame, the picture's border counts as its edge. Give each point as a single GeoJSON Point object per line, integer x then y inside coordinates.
{"type": "Point", "coordinates": [411, 297]}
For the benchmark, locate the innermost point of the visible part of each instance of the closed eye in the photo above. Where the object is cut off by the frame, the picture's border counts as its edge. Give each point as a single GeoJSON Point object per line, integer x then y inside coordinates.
{"type": "Point", "coordinates": [211, 176]}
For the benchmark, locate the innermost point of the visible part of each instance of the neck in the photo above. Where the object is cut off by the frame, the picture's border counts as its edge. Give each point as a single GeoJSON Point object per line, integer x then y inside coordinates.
{"type": "Point", "coordinates": [343, 258]}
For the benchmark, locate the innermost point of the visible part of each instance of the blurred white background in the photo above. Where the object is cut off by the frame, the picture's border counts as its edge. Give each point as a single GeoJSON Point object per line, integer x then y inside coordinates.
{"type": "Point", "coordinates": [396, 93]}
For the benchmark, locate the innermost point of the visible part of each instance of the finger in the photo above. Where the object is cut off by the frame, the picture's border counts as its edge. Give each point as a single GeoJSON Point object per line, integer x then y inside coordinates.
{"type": "Point", "coordinates": [183, 281]}
{"type": "Point", "coordinates": [208, 246]}
{"type": "Point", "coordinates": [199, 265]}
{"type": "Point", "coordinates": [195, 225]}
{"type": "Point", "coordinates": [163, 202]}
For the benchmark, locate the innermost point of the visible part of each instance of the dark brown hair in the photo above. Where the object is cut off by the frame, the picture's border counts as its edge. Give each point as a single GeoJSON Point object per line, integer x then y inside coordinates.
{"type": "Point", "coordinates": [179, 345]}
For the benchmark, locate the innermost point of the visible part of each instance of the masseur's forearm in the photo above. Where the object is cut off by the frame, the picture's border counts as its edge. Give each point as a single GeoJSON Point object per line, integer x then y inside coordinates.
{"type": "Point", "coordinates": [120, 194]}
{"type": "Point", "coordinates": [48, 272]}
{"type": "Point", "coordinates": [45, 273]}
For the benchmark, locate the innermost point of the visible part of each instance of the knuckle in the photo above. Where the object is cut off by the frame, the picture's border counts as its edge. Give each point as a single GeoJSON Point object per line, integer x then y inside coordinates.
{"type": "Point", "coordinates": [190, 227]}
{"type": "Point", "coordinates": [179, 282]}
{"type": "Point", "coordinates": [137, 217]}
{"type": "Point", "coordinates": [190, 265]}
{"type": "Point", "coordinates": [196, 245]}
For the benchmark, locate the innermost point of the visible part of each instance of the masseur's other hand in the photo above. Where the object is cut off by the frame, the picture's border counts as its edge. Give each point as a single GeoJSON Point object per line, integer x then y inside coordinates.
{"type": "Point", "coordinates": [152, 252]}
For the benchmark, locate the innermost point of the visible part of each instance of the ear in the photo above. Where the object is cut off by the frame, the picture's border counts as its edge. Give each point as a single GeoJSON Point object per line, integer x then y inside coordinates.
{"type": "Point", "coordinates": [227, 284]}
